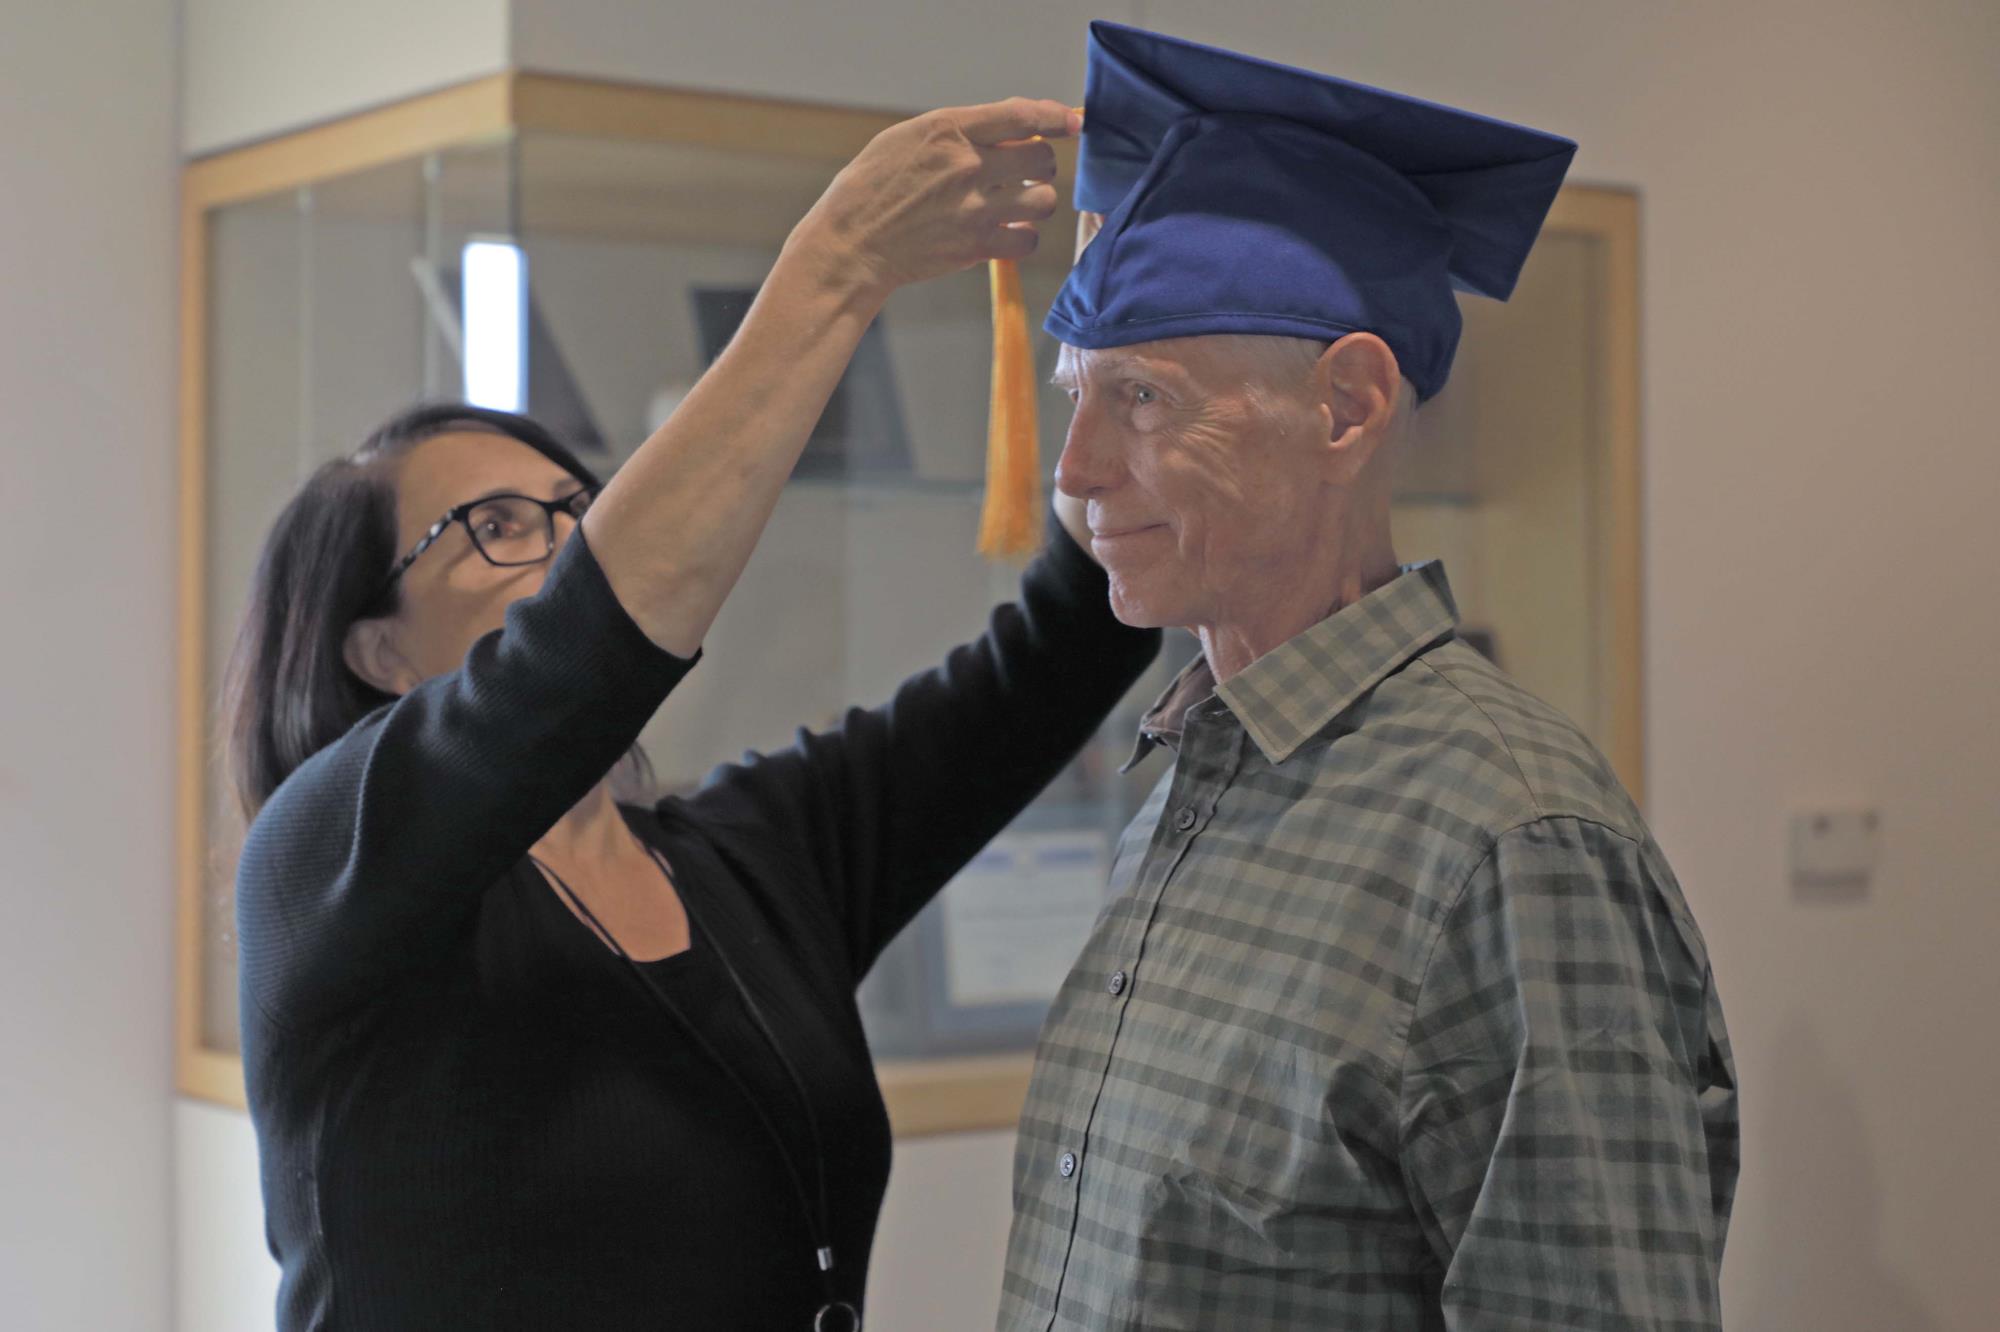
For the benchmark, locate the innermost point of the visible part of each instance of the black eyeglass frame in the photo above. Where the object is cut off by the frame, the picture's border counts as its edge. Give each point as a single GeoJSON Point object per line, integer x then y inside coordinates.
{"type": "Point", "coordinates": [575, 504]}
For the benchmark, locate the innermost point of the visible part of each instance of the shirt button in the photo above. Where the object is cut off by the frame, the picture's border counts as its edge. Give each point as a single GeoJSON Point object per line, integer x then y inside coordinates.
{"type": "Point", "coordinates": [1067, 1165]}
{"type": "Point", "coordinates": [1117, 983]}
{"type": "Point", "coordinates": [1185, 819]}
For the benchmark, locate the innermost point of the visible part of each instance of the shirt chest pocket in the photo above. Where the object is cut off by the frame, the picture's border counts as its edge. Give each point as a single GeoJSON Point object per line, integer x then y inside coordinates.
{"type": "Point", "coordinates": [1251, 1125]}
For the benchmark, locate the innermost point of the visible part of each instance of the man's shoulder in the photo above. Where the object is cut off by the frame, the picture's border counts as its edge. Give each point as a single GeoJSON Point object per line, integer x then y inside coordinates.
{"type": "Point", "coordinates": [1482, 733]}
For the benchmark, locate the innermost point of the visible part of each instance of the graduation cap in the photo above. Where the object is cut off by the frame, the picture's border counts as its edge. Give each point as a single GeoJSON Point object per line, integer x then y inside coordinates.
{"type": "Point", "coordinates": [1242, 196]}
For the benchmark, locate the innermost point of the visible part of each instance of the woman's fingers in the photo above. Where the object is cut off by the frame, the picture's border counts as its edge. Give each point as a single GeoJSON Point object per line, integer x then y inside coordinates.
{"type": "Point", "coordinates": [934, 194]}
{"type": "Point", "coordinates": [1018, 176]}
{"type": "Point", "coordinates": [1013, 241]}
{"type": "Point", "coordinates": [1023, 203]}
{"type": "Point", "coordinates": [1015, 118]}
{"type": "Point", "coordinates": [1019, 161]}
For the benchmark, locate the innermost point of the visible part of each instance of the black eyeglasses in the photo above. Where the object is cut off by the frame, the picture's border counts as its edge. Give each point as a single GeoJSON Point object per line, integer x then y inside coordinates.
{"type": "Point", "coordinates": [506, 530]}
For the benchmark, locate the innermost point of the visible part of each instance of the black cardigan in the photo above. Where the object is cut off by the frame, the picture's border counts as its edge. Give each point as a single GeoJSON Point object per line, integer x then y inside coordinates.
{"type": "Point", "coordinates": [469, 1113]}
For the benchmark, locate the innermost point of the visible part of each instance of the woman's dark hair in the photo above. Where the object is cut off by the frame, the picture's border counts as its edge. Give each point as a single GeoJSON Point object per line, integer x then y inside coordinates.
{"type": "Point", "coordinates": [288, 692]}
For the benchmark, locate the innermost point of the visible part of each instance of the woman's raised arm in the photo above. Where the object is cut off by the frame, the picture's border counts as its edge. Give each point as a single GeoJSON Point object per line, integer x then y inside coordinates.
{"type": "Point", "coordinates": [927, 197]}
{"type": "Point", "coordinates": [378, 848]}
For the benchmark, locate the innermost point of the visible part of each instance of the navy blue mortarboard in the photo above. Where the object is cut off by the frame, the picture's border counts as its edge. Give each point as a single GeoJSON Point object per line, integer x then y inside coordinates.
{"type": "Point", "coordinates": [1242, 196]}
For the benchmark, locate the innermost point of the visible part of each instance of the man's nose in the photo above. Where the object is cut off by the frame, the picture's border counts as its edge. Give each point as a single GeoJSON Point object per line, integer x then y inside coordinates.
{"type": "Point", "coordinates": [1089, 462]}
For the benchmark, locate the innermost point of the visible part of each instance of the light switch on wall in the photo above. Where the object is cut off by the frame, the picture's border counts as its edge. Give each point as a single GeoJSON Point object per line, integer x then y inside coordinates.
{"type": "Point", "coordinates": [1833, 852]}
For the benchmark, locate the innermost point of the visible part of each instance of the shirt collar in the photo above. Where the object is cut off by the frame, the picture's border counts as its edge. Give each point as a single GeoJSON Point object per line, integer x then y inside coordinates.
{"type": "Point", "coordinates": [1165, 721]}
{"type": "Point", "coordinates": [1289, 694]}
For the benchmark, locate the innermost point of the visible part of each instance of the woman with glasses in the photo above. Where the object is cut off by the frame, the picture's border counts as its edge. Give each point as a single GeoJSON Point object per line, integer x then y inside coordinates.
{"type": "Point", "coordinates": [522, 1057]}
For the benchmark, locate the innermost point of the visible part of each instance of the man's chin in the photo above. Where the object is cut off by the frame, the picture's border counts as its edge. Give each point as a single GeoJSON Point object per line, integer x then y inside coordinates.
{"type": "Point", "coordinates": [1136, 609]}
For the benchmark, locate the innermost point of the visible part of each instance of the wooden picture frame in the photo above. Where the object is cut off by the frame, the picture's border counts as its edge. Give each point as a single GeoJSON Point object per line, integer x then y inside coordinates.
{"type": "Point", "coordinates": [924, 1096]}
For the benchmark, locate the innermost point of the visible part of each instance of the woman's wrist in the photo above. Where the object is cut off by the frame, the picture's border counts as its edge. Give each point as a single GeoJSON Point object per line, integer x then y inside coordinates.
{"type": "Point", "coordinates": [828, 276]}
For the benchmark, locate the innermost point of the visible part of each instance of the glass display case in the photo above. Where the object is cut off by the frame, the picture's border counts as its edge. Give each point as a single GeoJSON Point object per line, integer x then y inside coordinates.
{"type": "Point", "coordinates": [581, 251]}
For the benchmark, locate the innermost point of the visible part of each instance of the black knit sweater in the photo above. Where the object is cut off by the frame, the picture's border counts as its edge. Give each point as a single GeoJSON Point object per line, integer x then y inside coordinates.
{"type": "Point", "coordinates": [470, 1114]}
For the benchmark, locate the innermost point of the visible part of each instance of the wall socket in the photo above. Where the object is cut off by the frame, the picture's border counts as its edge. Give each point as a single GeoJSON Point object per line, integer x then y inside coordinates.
{"type": "Point", "coordinates": [1834, 853]}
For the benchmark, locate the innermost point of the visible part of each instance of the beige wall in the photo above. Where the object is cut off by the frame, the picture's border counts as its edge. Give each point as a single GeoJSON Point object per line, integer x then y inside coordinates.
{"type": "Point", "coordinates": [1821, 185]}
{"type": "Point", "coordinates": [86, 654]}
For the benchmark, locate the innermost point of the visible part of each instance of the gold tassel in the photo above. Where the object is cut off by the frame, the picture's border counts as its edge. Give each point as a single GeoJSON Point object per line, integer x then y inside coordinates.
{"type": "Point", "coordinates": [1010, 522]}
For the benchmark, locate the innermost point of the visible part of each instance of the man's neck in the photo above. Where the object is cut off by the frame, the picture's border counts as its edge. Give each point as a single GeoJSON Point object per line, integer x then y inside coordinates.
{"type": "Point", "coordinates": [1231, 645]}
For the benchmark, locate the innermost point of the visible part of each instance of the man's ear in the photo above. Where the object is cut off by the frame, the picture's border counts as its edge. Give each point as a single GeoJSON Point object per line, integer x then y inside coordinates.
{"type": "Point", "coordinates": [1359, 386]}
{"type": "Point", "coordinates": [370, 652]}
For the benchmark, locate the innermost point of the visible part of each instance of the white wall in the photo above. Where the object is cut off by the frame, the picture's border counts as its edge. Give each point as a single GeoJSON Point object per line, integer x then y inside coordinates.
{"type": "Point", "coordinates": [1821, 184]}
{"type": "Point", "coordinates": [251, 68]}
{"type": "Point", "coordinates": [86, 657]}
{"type": "Point", "coordinates": [223, 1281]}
{"type": "Point", "coordinates": [879, 53]}
{"type": "Point", "coordinates": [936, 1266]}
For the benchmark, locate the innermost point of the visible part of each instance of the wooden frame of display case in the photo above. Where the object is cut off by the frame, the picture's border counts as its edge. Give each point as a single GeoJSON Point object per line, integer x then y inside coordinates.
{"type": "Point", "coordinates": [924, 1096]}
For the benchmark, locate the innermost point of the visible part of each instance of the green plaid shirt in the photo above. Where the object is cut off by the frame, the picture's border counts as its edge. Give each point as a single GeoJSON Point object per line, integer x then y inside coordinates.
{"type": "Point", "coordinates": [1396, 1020]}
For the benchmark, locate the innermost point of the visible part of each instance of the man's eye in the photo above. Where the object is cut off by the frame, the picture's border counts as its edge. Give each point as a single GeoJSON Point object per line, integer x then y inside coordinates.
{"type": "Point", "coordinates": [1142, 395]}
{"type": "Point", "coordinates": [1075, 396]}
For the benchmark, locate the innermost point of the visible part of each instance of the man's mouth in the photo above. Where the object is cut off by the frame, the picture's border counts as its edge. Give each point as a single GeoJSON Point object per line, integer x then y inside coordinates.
{"type": "Point", "coordinates": [1123, 534]}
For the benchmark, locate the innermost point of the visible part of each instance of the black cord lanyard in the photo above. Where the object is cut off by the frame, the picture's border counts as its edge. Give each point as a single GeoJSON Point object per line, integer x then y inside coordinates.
{"type": "Point", "coordinates": [834, 1315]}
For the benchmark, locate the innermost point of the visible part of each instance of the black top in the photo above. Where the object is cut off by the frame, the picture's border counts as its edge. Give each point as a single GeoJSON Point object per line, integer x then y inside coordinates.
{"type": "Point", "coordinates": [469, 1112]}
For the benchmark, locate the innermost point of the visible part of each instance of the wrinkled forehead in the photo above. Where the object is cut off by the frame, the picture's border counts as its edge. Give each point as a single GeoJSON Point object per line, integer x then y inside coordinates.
{"type": "Point", "coordinates": [1183, 358]}
{"type": "Point", "coordinates": [1211, 360]}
